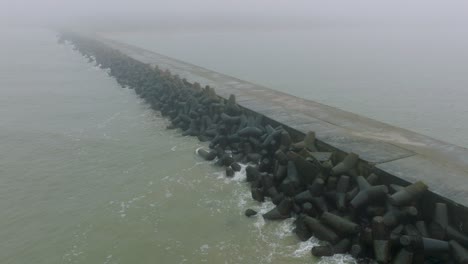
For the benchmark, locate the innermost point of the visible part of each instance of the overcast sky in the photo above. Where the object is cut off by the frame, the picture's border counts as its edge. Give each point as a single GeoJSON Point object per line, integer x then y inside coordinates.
{"type": "Point", "coordinates": [41, 11]}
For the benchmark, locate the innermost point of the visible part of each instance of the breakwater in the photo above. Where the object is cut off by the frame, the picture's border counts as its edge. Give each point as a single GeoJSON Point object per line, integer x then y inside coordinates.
{"type": "Point", "coordinates": [336, 196]}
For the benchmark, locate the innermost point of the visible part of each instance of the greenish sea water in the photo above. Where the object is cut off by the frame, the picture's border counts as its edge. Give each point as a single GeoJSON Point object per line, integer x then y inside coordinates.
{"type": "Point", "coordinates": [89, 174]}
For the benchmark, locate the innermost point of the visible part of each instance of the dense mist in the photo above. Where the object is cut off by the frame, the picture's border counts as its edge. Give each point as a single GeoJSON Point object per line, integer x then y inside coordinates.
{"type": "Point", "coordinates": [129, 15]}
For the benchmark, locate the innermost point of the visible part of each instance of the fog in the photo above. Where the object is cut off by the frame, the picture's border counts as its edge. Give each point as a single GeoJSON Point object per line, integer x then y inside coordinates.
{"type": "Point", "coordinates": [126, 14]}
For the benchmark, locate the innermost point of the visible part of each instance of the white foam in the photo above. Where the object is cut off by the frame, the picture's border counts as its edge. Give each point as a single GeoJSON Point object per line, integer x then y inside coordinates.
{"type": "Point", "coordinates": [108, 259]}
{"type": "Point", "coordinates": [285, 228]}
{"type": "Point", "coordinates": [262, 209]}
{"type": "Point", "coordinates": [195, 165]}
{"type": "Point", "coordinates": [240, 176]}
{"type": "Point", "coordinates": [125, 205]}
{"type": "Point", "coordinates": [220, 175]}
{"type": "Point", "coordinates": [282, 230]}
{"type": "Point", "coordinates": [204, 249]}
{"type": "Point", "coordinates": [338, 259]}
{"type": "Point", "coordinates": [122, 207]}
{"type": "Point", "coordinates": [304, 247]}
{"type": "Point", "coordinates": [243, 198]}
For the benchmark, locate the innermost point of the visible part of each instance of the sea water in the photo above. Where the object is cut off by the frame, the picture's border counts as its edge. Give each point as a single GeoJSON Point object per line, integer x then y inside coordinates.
{"type": "Point", "coordinates": [89, 174]}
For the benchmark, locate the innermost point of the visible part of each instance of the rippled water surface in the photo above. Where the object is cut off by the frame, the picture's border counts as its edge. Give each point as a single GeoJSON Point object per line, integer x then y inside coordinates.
{"type": "Point", "coordinates": [89, 174]}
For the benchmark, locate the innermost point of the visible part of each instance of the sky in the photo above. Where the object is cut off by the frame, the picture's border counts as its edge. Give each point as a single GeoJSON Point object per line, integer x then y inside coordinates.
{"type": "Point", "coordinates": [89, 11]}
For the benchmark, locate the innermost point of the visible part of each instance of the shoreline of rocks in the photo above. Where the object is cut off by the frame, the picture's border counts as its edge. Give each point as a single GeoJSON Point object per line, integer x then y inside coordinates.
{"type": "Point", "coordinates": [333, 196]}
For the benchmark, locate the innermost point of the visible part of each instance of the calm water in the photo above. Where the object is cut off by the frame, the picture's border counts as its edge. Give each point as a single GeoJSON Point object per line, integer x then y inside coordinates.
{"type": "Point", "coordinates": [411, 76]}
{"type": "Point", "coordinates": [89, 174]}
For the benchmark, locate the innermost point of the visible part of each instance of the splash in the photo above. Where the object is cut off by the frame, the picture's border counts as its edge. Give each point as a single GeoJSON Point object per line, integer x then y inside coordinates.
{"type": "Point", "coordinates": [304, 247]}
{"type": "Point", "coordinates": [338, 259]}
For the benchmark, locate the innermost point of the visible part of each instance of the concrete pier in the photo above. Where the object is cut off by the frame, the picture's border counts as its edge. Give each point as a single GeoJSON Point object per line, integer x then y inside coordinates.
{"type": "Point", "coordinates": [403, 156]}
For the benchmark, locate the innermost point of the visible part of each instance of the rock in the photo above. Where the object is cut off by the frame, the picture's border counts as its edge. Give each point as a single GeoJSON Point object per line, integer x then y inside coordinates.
{"type": "Point", "coordinates": [250, 212]}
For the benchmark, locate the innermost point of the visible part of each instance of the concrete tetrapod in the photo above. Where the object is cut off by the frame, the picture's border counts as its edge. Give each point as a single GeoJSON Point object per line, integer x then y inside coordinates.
{"type": "Point", "coordinates": [367, 193]}
{"type": "Point", "coordinates": [422, 228]}
{"type": "Point", "coordinates": [301, 229]}
{"type": "Point", "coordinates": [309, 209]}
{"type": "Point", "coordinates": [229, 172]}
{"type": "Point", "coordinates": [408, 194]}
{"type": "Point", "coordinates": [291, 183]}
{"type": "Point", "coordinates": [358, 248]}
{"type": "Point", "coordinates": [236, 166]}
{"type": "Point", "coordinates": [371, 179]}
{"type": "Point", "coordinates": [320, 231]}
{"type": "Point", "coordinates": [460, 253]}
{"type": "Point", "coordinates": [329, 250]}
{"type": "Point", "coordinates": [375, 210]}
{"type": "Point", "coordinates": [320, 204]}
{"type": "Point", "coordinates": [314, 190]}
{"type": "Point", "coordinates": [307, 143]}
{"type": "Point", "coordinates": [207, 155]}
{"type": "Point", "coordinates": [456, 235]}
{"type": "Point", "coordinates": [341, 189]}
{"type": "Point", "coordinates": [307, 171]}
{"type": "Point", "coordinates": [440, 221]}
{"type": "Point", "coordinates": [257, 194]}
{"type": "Point", "coordinates": [396, 234]}
{"type": "Point", "coordinates": [281, 211]}
{"type": "Point", "coordinates": [276, 197]}
{"type": "Point", "coordinates": [280, 172]}
{"type": "Point", "coordinates": [347, 164]}
{"type": "Point", "coordinates": [427, 245]}
{"type": "Point", "coordinates": [395, 215]}
{"type": "Point", "coordinates": [403, 256]}
{"type": "Point", "coordinates": [341, 225]}
{"type": "Point", "coordinates": [252, 173]}
{"type": "Point", "coordinates": [381, 243]}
